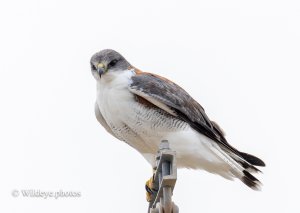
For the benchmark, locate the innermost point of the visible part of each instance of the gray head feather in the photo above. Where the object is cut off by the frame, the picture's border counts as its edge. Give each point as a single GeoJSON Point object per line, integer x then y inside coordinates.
{"type": "Point", "coordinates": [111, 61]}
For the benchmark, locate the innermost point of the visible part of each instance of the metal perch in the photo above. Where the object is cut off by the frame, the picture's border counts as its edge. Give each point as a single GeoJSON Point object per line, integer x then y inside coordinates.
{"type": "Point", "coordinates": [164, 180]}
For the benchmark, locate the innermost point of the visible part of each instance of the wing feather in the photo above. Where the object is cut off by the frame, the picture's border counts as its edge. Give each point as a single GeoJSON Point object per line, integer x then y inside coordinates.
{"type": "Point", "coordinates": [170, 97]}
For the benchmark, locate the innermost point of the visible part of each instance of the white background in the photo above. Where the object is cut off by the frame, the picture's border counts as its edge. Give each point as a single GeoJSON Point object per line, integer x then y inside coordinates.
{"type": "Point", "coordinates": [239, 59]}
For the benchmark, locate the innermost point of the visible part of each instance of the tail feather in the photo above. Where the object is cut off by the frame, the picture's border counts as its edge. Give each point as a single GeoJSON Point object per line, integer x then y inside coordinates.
{"type": "Point", "coordinates": [243, 162]}
{"type": "Point", "coordinates": [252, 159]}
{"type": "Point", "coordinates": [247, 166]}
{"type": "Point", "coordinates": [251, 181]}
{"type": "Point", "coordinates": [239, 167]}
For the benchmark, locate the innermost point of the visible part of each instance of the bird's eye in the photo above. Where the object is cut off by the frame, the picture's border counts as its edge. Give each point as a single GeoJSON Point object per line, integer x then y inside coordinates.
{"type": "Point", "coordinates": [113, 63]}
{"type": "Point", "coordinates": [93, 67]}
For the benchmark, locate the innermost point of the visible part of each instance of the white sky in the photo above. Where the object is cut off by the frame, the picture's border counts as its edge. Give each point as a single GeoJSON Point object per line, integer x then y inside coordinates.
{"type": "Point", "coordinates": [239, 59]}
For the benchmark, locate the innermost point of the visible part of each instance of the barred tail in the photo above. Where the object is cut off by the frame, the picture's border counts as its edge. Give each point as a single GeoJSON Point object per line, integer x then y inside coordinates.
{"type": "Point", "coordinates": [239, 167]}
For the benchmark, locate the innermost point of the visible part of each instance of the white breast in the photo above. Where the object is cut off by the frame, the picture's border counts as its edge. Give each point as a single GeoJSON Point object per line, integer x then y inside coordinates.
{"type": "Point", "coordinates": [113, 97]}
{"type": "Point", "coordinates": [119, 108]}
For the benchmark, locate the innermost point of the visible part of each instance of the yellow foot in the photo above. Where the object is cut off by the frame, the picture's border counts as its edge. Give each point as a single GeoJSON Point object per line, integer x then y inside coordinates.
{"type": "Point", "coordinates": [150, 190]}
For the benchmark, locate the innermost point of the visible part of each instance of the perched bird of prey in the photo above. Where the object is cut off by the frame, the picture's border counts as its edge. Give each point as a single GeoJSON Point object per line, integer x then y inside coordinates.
{"type": "Point", "coordinates": [142, 109]}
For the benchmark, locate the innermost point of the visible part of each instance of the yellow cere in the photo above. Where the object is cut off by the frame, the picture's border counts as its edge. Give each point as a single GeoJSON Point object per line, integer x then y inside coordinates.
{"type": "Point", "coordinates": [100, 65]}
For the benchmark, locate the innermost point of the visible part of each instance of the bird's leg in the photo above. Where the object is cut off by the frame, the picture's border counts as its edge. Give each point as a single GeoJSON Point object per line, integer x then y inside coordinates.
{"type": "Point", "coordinates": [150, 188]}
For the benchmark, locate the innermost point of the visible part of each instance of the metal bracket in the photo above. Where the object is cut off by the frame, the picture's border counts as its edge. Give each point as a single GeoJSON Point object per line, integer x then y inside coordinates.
{"type": "Point", "coordinates": [164, 180]}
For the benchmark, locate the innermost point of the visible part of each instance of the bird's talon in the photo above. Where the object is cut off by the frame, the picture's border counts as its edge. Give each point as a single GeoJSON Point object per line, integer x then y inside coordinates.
{"type": "Point", "coordinates": [150, 190]}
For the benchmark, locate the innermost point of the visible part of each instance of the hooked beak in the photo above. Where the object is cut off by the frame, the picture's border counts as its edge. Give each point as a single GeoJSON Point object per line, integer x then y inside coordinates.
{"type": "Point", "coordinates": [101, 69]}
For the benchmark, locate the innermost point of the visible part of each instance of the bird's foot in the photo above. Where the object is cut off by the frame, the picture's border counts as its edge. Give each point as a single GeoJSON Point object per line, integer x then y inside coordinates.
{"type": "Point", "coordinates": [150, 189]}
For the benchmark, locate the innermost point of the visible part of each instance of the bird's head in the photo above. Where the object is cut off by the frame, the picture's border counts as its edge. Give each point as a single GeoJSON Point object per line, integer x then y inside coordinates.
{"type": "Point", "coordinates": [107, 61]}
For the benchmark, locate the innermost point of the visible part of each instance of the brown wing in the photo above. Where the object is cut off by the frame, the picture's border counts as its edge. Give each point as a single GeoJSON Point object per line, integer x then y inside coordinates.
{"type": "Point", "coordinates": [172, 98]}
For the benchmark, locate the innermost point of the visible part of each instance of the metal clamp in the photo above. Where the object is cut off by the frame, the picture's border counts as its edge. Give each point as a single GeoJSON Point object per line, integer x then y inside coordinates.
{"type": "Point", "coordinates": [164, 180]}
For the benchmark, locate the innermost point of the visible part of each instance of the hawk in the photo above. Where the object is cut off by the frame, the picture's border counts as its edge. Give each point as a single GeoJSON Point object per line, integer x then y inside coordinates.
{"type": "Point", "coordinates": [142, 109]}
